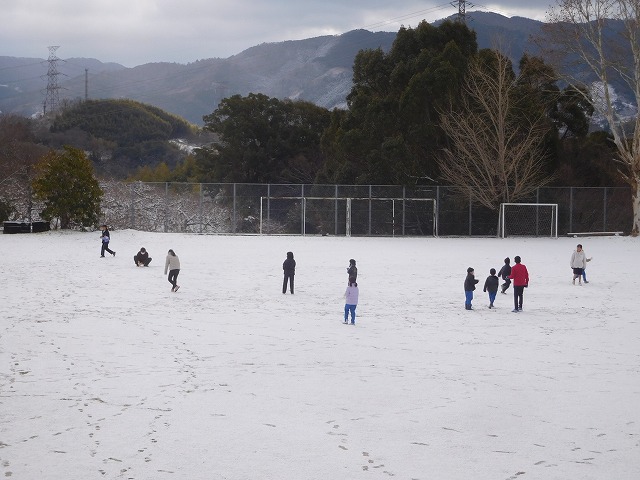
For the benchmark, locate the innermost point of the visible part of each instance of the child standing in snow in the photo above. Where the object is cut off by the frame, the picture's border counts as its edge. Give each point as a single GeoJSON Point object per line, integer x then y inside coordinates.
{"type": "Point", "coordinates": [504, 273]}
{"type": "Point", "coordinates": [289, 267]}
{"type": "Point", "coordinates": [469, 287]}
{"type": "Point", "coordinates": [351, 302]}
{"type": "Point", "coordinates": [520, 277]}
{"type": "Point", "coordinates": [172, 264]}
{"type": "Point", "coordinates": [352, 271]}
{"type": "Point", "coordinates": [491, 286]}
{"type": "Point", "coordinates": [578, 264]}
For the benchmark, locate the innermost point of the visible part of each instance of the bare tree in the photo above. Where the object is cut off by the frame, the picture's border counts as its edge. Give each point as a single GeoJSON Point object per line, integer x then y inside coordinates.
{"type": "Point", "coordinates": [495, 151]}
{"type": "Point", "coordinates": [579, 33]}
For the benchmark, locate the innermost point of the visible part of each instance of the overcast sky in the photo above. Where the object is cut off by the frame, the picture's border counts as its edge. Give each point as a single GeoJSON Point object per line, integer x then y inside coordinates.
{"type": "Point", "coordinates": [134, 32]}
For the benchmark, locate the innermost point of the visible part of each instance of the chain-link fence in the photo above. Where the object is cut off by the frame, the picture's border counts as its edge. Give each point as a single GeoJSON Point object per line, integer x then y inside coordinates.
{"type": "Point", "coordinates": [344, 209]}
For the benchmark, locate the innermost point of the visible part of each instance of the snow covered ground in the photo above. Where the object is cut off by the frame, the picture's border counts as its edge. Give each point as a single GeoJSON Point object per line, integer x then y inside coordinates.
{"type": "Point", "coordinates": [107, 374]}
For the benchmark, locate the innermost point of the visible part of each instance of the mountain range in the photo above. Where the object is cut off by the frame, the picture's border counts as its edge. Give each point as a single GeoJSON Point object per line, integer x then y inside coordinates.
{"type": "Point", "coordinates": [318, 70]}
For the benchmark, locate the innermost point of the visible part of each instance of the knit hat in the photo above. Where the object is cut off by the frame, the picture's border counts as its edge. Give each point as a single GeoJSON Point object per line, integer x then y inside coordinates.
{"type": "Point", "coordinates": [470, 270]}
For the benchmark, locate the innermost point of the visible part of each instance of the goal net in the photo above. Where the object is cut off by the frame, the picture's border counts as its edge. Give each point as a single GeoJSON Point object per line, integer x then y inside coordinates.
{"type": "Point", "coordinates": [529, 219]}
{"type": "Point", "coordinates": [348, 216]}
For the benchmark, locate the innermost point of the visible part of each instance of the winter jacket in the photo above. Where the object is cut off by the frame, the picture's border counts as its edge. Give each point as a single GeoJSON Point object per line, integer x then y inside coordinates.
{"type": "Point", "coordinates": [505, 271]}
{"type": "Point", "coordinates": [105, 236]}
{"type": "Point", "coordinates": [579, 259]}
{"type": "Point", "coordinates": [351, 295]}
{"type": "Point", "coordinates": [519, 275]}
{"type": "Point", "coordinates": [172, 263]}
{"type": "Point", "coordinates": [142, 257]}
{"type": "Point", "coordinates": [289, 265]}
{"type": "Point", "coordinates": [491, 284]}
{"type": "Point", "coordinates": [352, 271]}
{"type": "Point", "coordinates": [470, 283]}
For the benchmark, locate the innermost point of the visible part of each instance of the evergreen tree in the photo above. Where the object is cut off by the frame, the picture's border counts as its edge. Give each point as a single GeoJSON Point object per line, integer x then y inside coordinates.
{"type": "Point", "coordinates": [391, 133]}
{"type": "Point", "coordinates": [68, 188]}
{"type": "Point", "coordinates": [263, 139]}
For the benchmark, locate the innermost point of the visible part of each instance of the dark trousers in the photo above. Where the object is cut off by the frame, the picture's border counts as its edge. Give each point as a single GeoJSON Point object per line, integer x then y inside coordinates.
{"type": "Point", "coordinates": [144, 262]}
{"type": "Point", "coordinates": [173, 277]}
{"type": "Point", "coordinates": [505, 285]}
{"type": "Point", "coordinates": [287, 277]}
{"type": "Point", "coordinates": [105, 248]}
{"type": "Point", "coordinates": [517, 296]}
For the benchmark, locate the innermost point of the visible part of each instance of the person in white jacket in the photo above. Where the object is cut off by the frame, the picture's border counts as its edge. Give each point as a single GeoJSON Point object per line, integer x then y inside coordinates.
{"type": "Point", "coordinates": [578, 263]}
{"type": "Point", "coordinates": [351, 302]}
{"type": "Point", "coordinates": [172, 264]}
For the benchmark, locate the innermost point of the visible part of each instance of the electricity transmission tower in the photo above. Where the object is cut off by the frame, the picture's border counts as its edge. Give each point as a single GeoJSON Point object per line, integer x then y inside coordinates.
{"type": "Point", "coordinates": [462, 10]}
{"type": "Point", "coordinates": [52, 98]}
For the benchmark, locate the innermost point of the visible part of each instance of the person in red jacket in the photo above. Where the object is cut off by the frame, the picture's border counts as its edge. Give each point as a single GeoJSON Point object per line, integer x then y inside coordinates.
{"type": "Point", "coordinates": [520, 277]}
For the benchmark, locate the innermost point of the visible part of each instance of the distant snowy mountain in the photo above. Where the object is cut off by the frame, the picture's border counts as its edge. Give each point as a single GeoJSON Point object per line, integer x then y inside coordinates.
{"type": "Point", "coordinates": [318, 70]}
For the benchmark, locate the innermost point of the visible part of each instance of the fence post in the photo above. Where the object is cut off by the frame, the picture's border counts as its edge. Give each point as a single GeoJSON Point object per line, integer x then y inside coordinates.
{"type": "Point", "coordinates": [537, 211]}
{"type": "Point", "coordinates": [404, 195]}
{"type": "Point", "coordinates": [336, 212]}
{"type": "Point", "coordinates": [604, 210]}
{"type": "Point", "coordinates": [131, 208]}
{"type": "Point", "coordinates": [437, 211]}
{"type": "Point", "coordinates": [166, 206]}
{"type": "Point", "coordinates": [268, 201]}
{"type": "Point", "coordinates": [201, 207]}
{"type": "Point", "coordinates": [233, 227]}
{"type": "Point", "coordinates": [302, 209]}
{"type": "Point", "coordinates": [570, 209]}
{"type": "Point", "coordinates": [470, 214]}
{"type": "Point", "coordinates": [369, 210]}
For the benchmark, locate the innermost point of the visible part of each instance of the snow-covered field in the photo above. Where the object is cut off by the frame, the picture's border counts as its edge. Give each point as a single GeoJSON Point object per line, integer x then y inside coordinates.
{"type": "Point", "coordinates": [107, 374]}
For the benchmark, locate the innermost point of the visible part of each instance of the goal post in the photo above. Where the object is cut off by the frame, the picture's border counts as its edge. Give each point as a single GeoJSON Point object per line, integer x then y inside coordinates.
{"type": "Point", "coordinates": [393, 216]}
{"type": "Point", "coordinates": [529, 220]}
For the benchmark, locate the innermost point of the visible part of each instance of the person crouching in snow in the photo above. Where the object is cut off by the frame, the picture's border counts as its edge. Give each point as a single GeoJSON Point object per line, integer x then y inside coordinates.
{"type": "Point", "coordinates": [351, 302]}
{"type": "Point", "coordinates": [142, 259]}
{"type": "Point", "coordinates": [289, 267]}
{"type": "Point", "coordinates": [469, 287]}
{"type": "Point", "coordinates": [491, 286]}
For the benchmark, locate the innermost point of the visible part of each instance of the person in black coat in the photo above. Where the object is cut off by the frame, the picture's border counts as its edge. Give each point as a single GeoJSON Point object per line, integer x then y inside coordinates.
{"type": "Point", "coordinates": [142, 259]}
{"type": "Point", "coordinates": [289, 267]}
{"type": "Point", "coordinates": [469, 287]}
{"type": "Point", "coordinates": [352, 271]}
{"type": "Point", "coordinates": [504, 273]}
{"type": "Point", "coordinates": [491, 286]}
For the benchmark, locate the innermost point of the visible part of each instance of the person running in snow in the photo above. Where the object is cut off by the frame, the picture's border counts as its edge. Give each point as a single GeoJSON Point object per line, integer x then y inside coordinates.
{"type": "Point", "coordinates": [351, 302]}
{"type": "Point", "coordinates": [289, 267]}
{"type": "Point", "coordinates": [491, 286]}
{"type": "Point", "coordinates": [578, 264]}
{"type": "Point", "coordinates": [172, 264]}
{"type": "Point", "coordinates": [469, 287]}
{"type": "Point", "coordinates": [142, 259]}
{"type": "Point", "coordinates": [504, 273]}
{"type": "Point", "coordinates": [352, 271]}
{"type": "Point", "coordinates": [520, 277]}
{"type": "Point", "coordinates": [105, 237]}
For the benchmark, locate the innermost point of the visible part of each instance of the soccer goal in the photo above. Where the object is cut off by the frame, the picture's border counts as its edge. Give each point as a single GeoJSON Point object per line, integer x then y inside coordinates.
{"type": "Point", "coordinates": [529, 220]}
{"type": "Point", "coordinates": [348, 216]}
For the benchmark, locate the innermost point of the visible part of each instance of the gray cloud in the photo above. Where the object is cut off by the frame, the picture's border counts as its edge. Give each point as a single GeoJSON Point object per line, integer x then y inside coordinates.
{"type": "Point", "coordinates": [133, 32]}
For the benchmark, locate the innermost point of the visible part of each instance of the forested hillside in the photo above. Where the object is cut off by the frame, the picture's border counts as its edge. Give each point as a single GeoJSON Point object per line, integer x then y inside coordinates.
{"type": "Point", "coordinates": [122, 135]}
